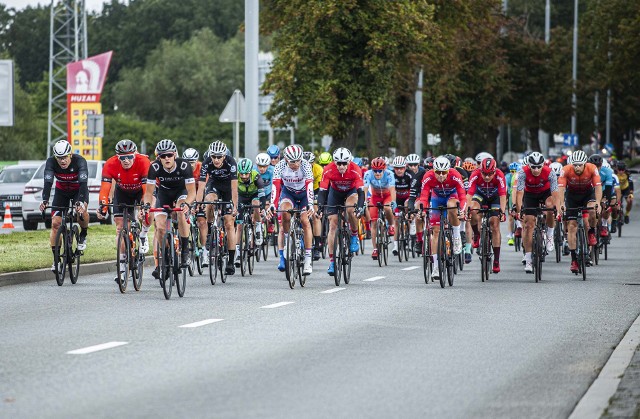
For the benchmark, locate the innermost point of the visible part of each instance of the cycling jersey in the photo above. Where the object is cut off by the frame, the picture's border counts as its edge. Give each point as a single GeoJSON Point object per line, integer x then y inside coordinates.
{"type": "Point", "coordinates": [625, 180]}
{"type": "Point", "coordinates": [267, 178]}
{"type": "Point", "coordinates": [339, 181]}
{"type": "Point", "coordinates": [416, 185]}
{"type": "Point", "coordinates": [495, 187]}
{"type": "Point", "coordinates": [294, 181]}
{"type": "Point", "coordinates": [130, 181]}
{"type": "Point", "coordinates": [452, 187]}
{"type": "Point", "coordinates": [579, 184]}
{"type": "Point", "coordinates": [253, 188]}
{"type": "Point", "coordinates": [72, 180]}
{"type": "Point", "coordinates": [403, 186]}
{"type": "Point", "coordinates": [317, 175]}
{"type": "Point", "coordinates": [380, 186]}
{"type": "Point", "coordinates": [464, 175]}
{"type": "Point", "coordinates": [223, 174]}
{"type": "Point", "coordinates": [176, 180]}
{"type": "Point", "coordinates": [546, 181]}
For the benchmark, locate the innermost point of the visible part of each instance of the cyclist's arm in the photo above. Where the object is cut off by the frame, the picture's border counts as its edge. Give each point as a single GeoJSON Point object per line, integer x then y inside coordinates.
{"type": "Point", "coordinates": [234, 193]}
{"type": "Point", "coordinates": [392, 191]}
{"type": "Point", "coordinates": [630, 181]}
{"type": "Point", "coordinates": [148, 195]}
{"type": "Point", "coordinates": [83, 178]}
{"type": "Point", "coordinates": [322, 197]}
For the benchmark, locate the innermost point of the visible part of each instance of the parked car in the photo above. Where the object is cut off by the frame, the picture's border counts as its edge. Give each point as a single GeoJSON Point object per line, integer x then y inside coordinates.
{"type": "Point", "coordinates": [32, 196]}
{"type": "Point", "coordinates": [12, 181]}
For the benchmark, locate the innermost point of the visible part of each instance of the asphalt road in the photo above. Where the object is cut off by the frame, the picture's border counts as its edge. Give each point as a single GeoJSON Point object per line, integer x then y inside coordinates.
{"type": "Point", "coordinates": [393, 347]}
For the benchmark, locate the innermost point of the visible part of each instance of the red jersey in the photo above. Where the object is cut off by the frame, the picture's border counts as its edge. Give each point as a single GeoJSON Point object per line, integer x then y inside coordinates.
{"type": "Point", "coordinates": [352, 177]}
{"type": "Point", "coordinates": [129, 180]}
{"type": "Point", "coordinates": [582, 184]}
{"type": "Point", "coordinates": [547, 180]}
{"type": "Point", "coordinates": [452, 184]}
{"type": "Point", "coordinates": [495, 187]}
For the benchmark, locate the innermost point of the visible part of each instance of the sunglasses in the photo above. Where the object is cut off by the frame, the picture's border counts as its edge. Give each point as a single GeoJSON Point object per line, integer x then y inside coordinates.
{"type": "Point", "coordinates": [535, 167]}
{"type": "Point", "coordinates": [341, 163]}
{"type": "Point", "coordinates": [166, 155]}
{"type": "Point", "coordinates": [442, 172]}
{"type": "Point", "coordinates": [293, 161]}
{"type": "Point", "coordinates": [488, 174]}
{"type": "Point", "coordinates": [412, 165]}
{"type": "Point", "coordinates": [378, 170]}
{"type": "Point", "coordinates": [63, 157]}
{"type": "Point", "coordinates": [126, 157]}
{"type": "Point", "coordinates": [217, 157]}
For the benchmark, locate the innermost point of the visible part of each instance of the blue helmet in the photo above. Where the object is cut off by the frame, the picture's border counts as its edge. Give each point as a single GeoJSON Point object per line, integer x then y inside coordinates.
{"type": "Point", "coordinates": [273, 151]}
{"type": "Point", "coordinates": [358, 161]}
{"type": "Point", "coordinates": [515, 166]}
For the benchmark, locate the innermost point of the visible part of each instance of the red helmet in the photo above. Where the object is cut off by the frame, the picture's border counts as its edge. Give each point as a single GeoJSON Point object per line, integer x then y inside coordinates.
{"type": "Point", "coordinates": [378, 164]}
{"type": "Point", "coordinates": [488, 166]}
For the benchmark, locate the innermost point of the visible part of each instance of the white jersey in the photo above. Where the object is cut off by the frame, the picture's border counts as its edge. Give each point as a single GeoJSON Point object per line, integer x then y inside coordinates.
{"type": "Point", "coordinates": [296, 181]}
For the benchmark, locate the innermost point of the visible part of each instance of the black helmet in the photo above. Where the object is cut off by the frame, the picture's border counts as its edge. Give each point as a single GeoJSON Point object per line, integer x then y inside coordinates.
{"type": "Point", "coordinates": [622, 165]}
{"type": "Point", "coordinates": [596, 159]}
{"type": "Point", "coordinates": [451, 158]}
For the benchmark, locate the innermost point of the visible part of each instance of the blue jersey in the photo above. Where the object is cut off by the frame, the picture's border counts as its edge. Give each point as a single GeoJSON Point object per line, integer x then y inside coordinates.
{"type": "Point", "coordinates": [606, 176]}
{"type": "Point", "coordinates": [267, 178]}
{"type": "Point", "coordinates": [379, 186]}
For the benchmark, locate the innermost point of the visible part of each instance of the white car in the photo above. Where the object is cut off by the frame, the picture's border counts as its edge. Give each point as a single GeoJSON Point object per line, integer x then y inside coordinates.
{"type": "Point", "coordinates": [32, 196]}
{"type": "Point", "coordinates": [12, 181]}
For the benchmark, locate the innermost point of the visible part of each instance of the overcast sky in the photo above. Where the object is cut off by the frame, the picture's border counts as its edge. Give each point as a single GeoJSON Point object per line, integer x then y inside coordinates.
{"type": "Point", "coordinates": [21, 4]}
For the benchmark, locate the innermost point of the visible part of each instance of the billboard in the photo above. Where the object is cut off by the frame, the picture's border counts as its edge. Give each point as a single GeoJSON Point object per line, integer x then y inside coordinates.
{"type": "Point", "coordinates": [6, 93]}
{"type": "Point", "coordinates": [88, 76]}
{"type": "Point", "coordinates": [79, 137]}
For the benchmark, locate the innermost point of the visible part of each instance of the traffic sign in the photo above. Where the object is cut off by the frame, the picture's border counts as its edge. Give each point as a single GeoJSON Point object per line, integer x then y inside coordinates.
{"type": "Point", "coordinates": [570, 140]}
{"type": "Point", "coordinates": [234, 111]}
{"type": "Point", "coordinates": [95, 125]}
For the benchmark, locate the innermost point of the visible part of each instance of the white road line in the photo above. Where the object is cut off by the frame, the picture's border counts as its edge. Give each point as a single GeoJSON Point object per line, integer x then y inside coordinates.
{"type": "Point", "coordinates": [596, 399]}
{"type": "Point", "coordinates": [332, 290]}
{"type": "Point", "coordinates": [276, 305]}
{"type": "Point", "coordinates": [201, 323]}
{"type": "Point", "coordinates": [96, 348]}
{"type": "Point", "coordinates": [410, 268]}
{"type": "Point", "coordinates": [375, 278]}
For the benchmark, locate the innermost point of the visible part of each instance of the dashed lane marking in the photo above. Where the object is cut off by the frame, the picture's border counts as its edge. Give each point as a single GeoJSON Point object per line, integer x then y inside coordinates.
{"type": "Point", "coordinates": [410, 268]}
{"type": "Point", "coordinates": [375, 278]}
{"type": "Point", "coordinates": [276, 305]}
{"type": "Point", "coordinates": [332, 290]}
{"type": "Point", "coordinates": [201, 323]}
{"type": "Point", "coordinates": [96, 348]}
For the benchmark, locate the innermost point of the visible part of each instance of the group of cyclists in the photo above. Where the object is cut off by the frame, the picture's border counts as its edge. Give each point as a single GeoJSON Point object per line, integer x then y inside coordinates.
{"type": "Point", "coordinates": [278, 182]}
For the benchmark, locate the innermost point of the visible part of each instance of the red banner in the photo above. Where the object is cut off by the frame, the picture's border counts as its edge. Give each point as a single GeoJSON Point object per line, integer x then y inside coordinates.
{"type": "Point", "coordinates": [85, 78]}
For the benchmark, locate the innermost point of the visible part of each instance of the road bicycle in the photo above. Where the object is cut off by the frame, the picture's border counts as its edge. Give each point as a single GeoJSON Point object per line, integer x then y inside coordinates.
{"type": "Point", "coordinates": [402, 235]}
{"type": "Point", "coordinates": [66, 255]}
{"type": "Point", "coordinates": [558, 239]}
{"type": "Point", "coordinates": [324, 233]}
{"type": "Point", "coordinates": [168, 252]}
{"type": "Point", "coordinates": [195, 247]}
{"type": "Point", "coordinates": [485, 251]}
{"type": "Point", "coordinates": [247, 242]}
{"type": "Point", "coordinates": [128, 249]}
{"type": "Point", "coordinates": [538, 243]}
{"type": "Point", "coordinates": [217, 241]}
{"type": "Point", "coordinates": [382, 235]}
{"type": "Point", "coordinates": [446, 260]}
{"type": "Point", "coordinates": [584, 252]}
{"type": "Point", "coordinates": [294, 249]}
{"type": "Point", "coordinates": [342, 255]}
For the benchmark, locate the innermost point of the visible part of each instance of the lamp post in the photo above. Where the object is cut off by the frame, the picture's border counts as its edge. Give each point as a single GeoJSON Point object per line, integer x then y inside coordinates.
{"type": "Point", "coordinates": [574, 99]}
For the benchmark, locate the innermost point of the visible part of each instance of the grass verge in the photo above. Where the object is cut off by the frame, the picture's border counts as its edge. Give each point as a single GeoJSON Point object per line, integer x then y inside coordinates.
{"type": "Point", "coordinates": [29, 250]}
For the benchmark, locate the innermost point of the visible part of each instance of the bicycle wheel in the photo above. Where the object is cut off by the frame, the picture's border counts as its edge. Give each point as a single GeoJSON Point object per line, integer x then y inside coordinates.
{"type": "Point", "coordinates": [166, 265]}
{"type": "Point", "coordinates": [557, 239]}
{"type": "Point", "coordinates": [138, 261]}
{"type": "Point", "coordinates": [535, 253]}
{"type": "Point", "coordinates": [243, 251]}
{"type": "Point", "coordinates": [60, 254]}
{"type": "Point", "coordinates": [595, 253]}
{"type": "Point", "coordinates": [427, 262]}
{"type": "Point", "coordinates": [197, 247]}
{"type": "Point", "coordinates": [323, 237]}
{"type": "Point", "coordinates": [290, 258]}
{"type": "Point", "coordinates": [338, 258]}
{"type": "Point", "coordinates": [123, 252]}
{"type": "Point", "coordinates": [180, 275]}
{"type": "Point", "coordinates": [484, 254]}
{"type": "Point", "coordinates": [407, 240]}
{"type": "Point", "coordinates": [223, 259]}
{"type": "Point", "coordinates": [379, 239]}
{"type": "Point", "coordinates": [74, 255]}
{"type": "Point", "coordinates": [385, 245]}
{"type": "Point", "coordinates": [620, 224]}
{"type": "Point", "coordinates": [252, 250]}
{"type": "Point", "coordinates": [214, 255]}
{"type": "Point", "coordinates": [582, 259]}
{"type": "Point", "coordinates": [362, 233]}
{"type": "Point", "coordinates": [451, 271]}
{"type": "Point", "coordinates": [399, 239]}
{"type": "Point", "coordinates": [606, 250]}
{"type": "Point", "coordinates": [442, 261]}
{"type": "Point", "coordinates": [346, 260]}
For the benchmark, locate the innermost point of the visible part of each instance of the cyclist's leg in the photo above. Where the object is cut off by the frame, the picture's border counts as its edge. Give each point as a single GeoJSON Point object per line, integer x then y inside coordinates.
{"type": "Point", "coordinates": [60, 200]}
{"type": "Point", "coordinates": [317, 225]}
{"type": "Point", "coordinates": [373, 219]}
{"type": "Point", "coordinates": [496, 236]}
{"type": "Point", "coordinates": [476, 203]}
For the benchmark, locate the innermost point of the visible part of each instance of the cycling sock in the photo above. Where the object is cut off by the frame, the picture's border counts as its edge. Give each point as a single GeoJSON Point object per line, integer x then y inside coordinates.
{"type": "Point", "coordinates": [475, 229]}
{"type": "Point", "coordinates": [527, 257]}
{"type": "Point", "coordinates": [592, 230]}
{"type": "Point", "coordinates": [307, 253]}
{"type": "Point", "coordinates": [627, 212]}
{"type": "Point", "coordinates": [496, 252]}
{"type": "Point", "coordinates": [281, 253]}
{"type": "Point", "coordinates": [330, 257]}
{"type": "Point", "coordinates": [259, 227]}
{"type": "Point", "coordinates": [456, 232]}
{"type": "Point", "coordinates": [573, 255]}
{"type": "Point", "coordinates": [83, 231]}
{"type": "Point", "coordinates": [184, 243]}
{"type": "Point", "coordinates": [354, 232]}
{"type": "Point", "coordinates": [434, 258]}
{"type": "Point", "coordinates": [232, 254]}
{"type": "Point", "coordinates": [316, 241]}
{"type": "Point", "coordinates": [53, 249]}
{"type": "Point", "coordinates": [518, 224]}
{"type": "Point", "coordinates": [467, 248]}
{"type": "Point", "coordinates": [238, 248]}
{"type": "Point", "coordinates": [549, 232]}
{"type": "Point", "coordinates": [144, 231]}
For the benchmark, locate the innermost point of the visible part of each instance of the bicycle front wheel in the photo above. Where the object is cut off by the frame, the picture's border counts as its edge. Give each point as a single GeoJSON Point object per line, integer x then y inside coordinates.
{"type": "Point", "coordinates": [536, 254]}
{"type": "Point", "coordinates": [139, 259]}
{"type": "Point", "coordinates": [166, 265]}
{"type": "Point", "coordinates": [60, 254]}
{"type": "Point", "coordinates": [74, 255]}
{"type": "Point", "coordinates": [123, 253]}
{"type": "Point", "coordinates": [427, 262]}
{"type": "Point", "coordinates": [290, 261]}
{"type": "Point", "coordinates": [251, 248]}
{"type": "Point", "coordinates": [180, 277]}
{"type": "Point", "coordinates": [337, 258]}
{"type": "Point", "coordinates": [347, 256]}
{"type": "Point", "coordinates": [582, 246]}
{"type": "Point", "coordinates": [442, 255]}
{"type": "Point", "coordinates": [484, 256]}
{"type": "Point", "coordinates": [214, 255]}
{"type": "Point", "coordinates": [450, 262]}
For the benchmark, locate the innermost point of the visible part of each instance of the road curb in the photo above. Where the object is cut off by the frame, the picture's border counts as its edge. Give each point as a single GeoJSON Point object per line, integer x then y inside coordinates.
{"type": "Point", "coordinates": [13, 278]}
{"type": "Point", "coordinates": [596, 399]}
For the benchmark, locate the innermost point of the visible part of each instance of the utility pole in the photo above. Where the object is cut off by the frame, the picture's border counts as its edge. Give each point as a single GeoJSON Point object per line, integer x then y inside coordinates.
{"type": "Point", "coordinates": [543, 136]}
{"type": "Point", "coordinates": [251, 48]}
{"type": "Point", "coordinates": [418, 128]}
{"type": "Point", "coordinates": [574, 99]}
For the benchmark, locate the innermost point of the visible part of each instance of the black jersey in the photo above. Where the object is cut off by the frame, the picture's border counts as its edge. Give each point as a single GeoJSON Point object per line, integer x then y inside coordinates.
{"type": "Point", "coordinates": [225, 173]}
{"type": "Point", "coordinates": [416, 185]}
{"type": "Point", "coordinates": [403, 185]}
{"type": "Point", "coordinates": [72, 179]}
{"type": "Point", "coordinates": [176, 180]}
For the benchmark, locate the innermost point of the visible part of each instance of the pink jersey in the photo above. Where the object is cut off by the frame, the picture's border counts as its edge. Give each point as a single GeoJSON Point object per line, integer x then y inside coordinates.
{"type": "Point", "coordinates": [432, 187]}
{"type": "Point", "coordinates": [495, 187]}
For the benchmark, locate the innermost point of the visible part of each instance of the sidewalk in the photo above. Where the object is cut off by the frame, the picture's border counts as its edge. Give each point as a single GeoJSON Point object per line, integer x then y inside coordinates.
{"type": "Point", "coordinates": [626, 402]}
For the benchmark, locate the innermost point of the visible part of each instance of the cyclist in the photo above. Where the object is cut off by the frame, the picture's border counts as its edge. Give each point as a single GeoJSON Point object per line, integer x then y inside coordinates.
{"type": "Point", "coordinates": [488, 187]}
{"type": "Point", "coordinates": [293, 183]}
{"type": "Point", "coordinates": [443, 187]}
{"type": "Point", "coordinates": [129, 170]}
{"type": "Point", "coordinates": [626, 188]}
{"type": "Point", "coordinates": [616, 200]}
{"type": "Point", "coordinates": [317, 223]}
{"type": "Point", "coordinates": [219, 180]}
{"type": "Point", "coordinates": [582, 183]}
{"type": "Point", "coordinates": [537, 185]}
{"type": "Point", "coordinates": [71, 175]}
{"type": "Point", "coordinates": [456, 163]}
{"type": "Point", "coordinates": [176, 186]}
{"type": "Point", "coordinates": [403, 190]}
{"type": "Point", "coordinates": [264, 168]}
{"type": "Point", "coordinates": [380, 187]}
{"type": "Point", "coordinates": [417, 173]}
{"type": "Point", "coordinates": [250, 192]}
{"type": "Point", "coordinates": [606, 178]}
{"type": "Point", "coordinates": [324, 158]}
{"type": "Point", "coordinates": [509, 178]}
{"type": "Point", "coordinates": [343, 181]}
{"type": "Point", "coordinates": [274, 153]}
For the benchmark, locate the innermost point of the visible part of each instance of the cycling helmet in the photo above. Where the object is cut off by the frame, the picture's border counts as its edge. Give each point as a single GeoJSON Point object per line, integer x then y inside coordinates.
{"type": "Point", "coordinates": [191, 154]}
{"type": "Point", "coordinates": [217, 148]}
{"type": "Point", "coordinates": [365, 161]}
{"type": "Point", "coordinates": [358, 161]}
{"type": "Point", "coordinates": [579, 157]}
{"type": "Point", "coordinates": [273, 151]}
{"type": "Point", "coordinates": [569, 159]}
{"type": "Point", "coordinates": [126, 147]}
{"type": "Point", "coordinates": [605, 164]}
{"type": "Point", "coordinates": [378, 164]}
{"type": "Point", "coordinates": [515, 166]}
{"type": "Point", "coordinates": [441, 164]}
{"type": "Point", "coordinates": [412, 159]}
{"type": "Point", "coordinates": [309, 156]}
{"type": "Point", "coordinates": [263, 159]}
{"type": "Point", "coordinates": [293, 153]}
{"type": "Point", "coordinates": [488, 166]}
{"type": "Point", "coordinates": [451, 158]}
{"type": "Point", "coordinates": [206, 155]}
{"type": "Point", "coordinates": [166, 146]}
{"type": "Point", "coordinates": [325, 158]}
{"type": "Point", "coordinates": [386, 160]}
{"type": "Point", "coordinates": [398, 162]}
{"type": "Point", "coordinates": [483, 155]}
{"type": "Point", "coordinates": [342, 155]}
{"type": "Point", "coordinates": [596, 159]}
{"type": "Point", "coordinates": [428, 163]}
{"type": "Point", "coordinates": [245, 166]}
{"type": "Point", "coordinates": [469, 166]}
{"type": "Point", "coordinates": [535, 159]}
{"type": "Point", "coordinates": [621, 166]}
{"type": "Point", "coordinates": [61, 148]}
{"type": "Point", "coordinates": [556, 167]}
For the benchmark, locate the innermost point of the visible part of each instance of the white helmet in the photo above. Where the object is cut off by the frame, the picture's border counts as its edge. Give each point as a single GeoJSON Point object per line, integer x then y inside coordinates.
{"type": "Point", "coordinates": [398, 162]}
{"type": "Point", "coordinates": [263, 159]}
{"type": "Point", "coordinates": [535, 159]}
{"type": "Point", "coordinates": [440, 164]}
{"type": "Point", "coordinates": [293, 153]}
{"type": "Point", "coordinates": [483, 155]}
{"type": "Point", "coordinates": [342, 155]}
{"type": "Point", "coordinates": [579, 157]}
{"type": "Point", "coordinates": [61, 148]}
{"type": "Point", "coordinates": [191, 154]}
{"type": "Point", "coordinates": [166, 146]}
{"type": "Point", "coordinates": [217, 148]}
{"type": "Point", "coordinates": [412, 159]}
{"type": "Point", "coordinates": [556, 167]}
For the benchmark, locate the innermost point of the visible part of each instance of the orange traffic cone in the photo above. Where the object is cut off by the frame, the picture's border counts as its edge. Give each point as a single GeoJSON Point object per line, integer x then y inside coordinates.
{"type": "Point", "coordinates": [8, 222]}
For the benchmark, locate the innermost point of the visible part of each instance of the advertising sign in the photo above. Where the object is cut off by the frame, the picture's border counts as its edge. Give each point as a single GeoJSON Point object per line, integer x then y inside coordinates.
{"type": "Point", "coordinates": [81, 142]}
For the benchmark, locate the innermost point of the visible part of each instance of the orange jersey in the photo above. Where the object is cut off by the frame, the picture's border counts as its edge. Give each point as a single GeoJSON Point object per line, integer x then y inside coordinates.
{"type": "Point", "coordinates": [129, 180]}
{"type": "Point", "coordinates": [582, 184]}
